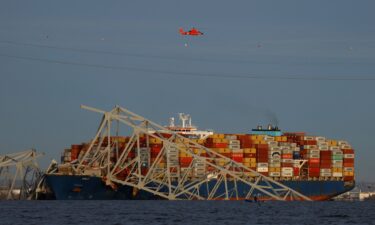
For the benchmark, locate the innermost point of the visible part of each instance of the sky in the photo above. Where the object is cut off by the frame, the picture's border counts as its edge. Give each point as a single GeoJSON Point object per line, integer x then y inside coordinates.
{"type": "Point", "coordinates": [309, 65]}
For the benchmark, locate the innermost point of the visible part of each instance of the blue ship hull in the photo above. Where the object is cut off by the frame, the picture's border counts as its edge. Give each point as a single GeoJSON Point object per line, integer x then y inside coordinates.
{"type": "Point", "coordinates": [73, 187]}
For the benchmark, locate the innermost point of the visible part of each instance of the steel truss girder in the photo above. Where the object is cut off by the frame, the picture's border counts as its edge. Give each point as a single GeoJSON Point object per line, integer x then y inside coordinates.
{"type": "Point", "coordinates": [21, 167]}
{"type": "Point", "coordinates": [169, 182]}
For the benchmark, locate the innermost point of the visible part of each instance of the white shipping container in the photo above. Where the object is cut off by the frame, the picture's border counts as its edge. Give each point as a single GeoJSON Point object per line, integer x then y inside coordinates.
{"type": "Point", "coordinates": [293, 145]}
{"type": "Point", "coordinates": [272, 143]}
{"type": "Point", "coordinates": [310, 147]}
{"type": "Point", "coordinates": [274, 148]}
{"type": "Point", "coordinates": [324, 148]}
{"type": "Point", "coordinates": [348, 156]}
{"type": "Point", "coordinates": [313, 156]}
{"type": "Point", "coordinates": [336, 152]}
{"type": "Point", "coordinates": [287, 151]}
{"type": "Point", "coordinates": [326, 170]}
{"type": "Point", "coordinates": [268, 138]}
{"type": "Point", "coordinates": [287, 160]}
{"type": "Point", "coordinates": [313, 151]}
{"type": "Point", "coordinates": [308, 138]}
{"type": "Point", "coordinates": [274, 161]}
{"type": "Point", "coordinates": [287, 169]}
{"type": "Point", "coordinates": [275, 164]}
{"type": "Point", "coordinates": [287, 174]}
{"type": "Point", "coordinates": [234, 142]}
{"type": "Point", "coordinates": [322, 143]}
{"type": "Point", "coordinates": [337, 174]}
{"type": "Point", "coordinates": [325, 174]}
{"type": "Point", "coordinates": [345, 146]}
{"type": "Point", "coordinates": [283, 148]}
{"type": "Point", "coordinates": [262, 169]}
{"type": "Point", "coordinates": [334, 148]}
{"type": "Point", "coordinates": [230, 137]}
{"type": "Point", "coordinates": [342, 142]}
{"type": "Point", "coordinates": [274, 174]}
{"type": "Point", "coordinates": [262, 165]}
{"type": "Point", "coordinates": [320, 138]}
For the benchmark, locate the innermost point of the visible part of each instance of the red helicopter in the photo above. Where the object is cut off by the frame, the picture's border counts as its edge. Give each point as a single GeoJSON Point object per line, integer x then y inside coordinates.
{"type": "Point", "coordinates": [192, 32]}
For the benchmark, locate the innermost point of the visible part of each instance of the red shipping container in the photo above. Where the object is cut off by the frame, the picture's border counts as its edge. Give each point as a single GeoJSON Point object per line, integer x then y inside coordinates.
{"type": "Point", "coordinates": [348, 151]}
{"type": "Point", "coordinates": [216, 145]}
{"type": "Point", "coordinates": [295, 171]}
{"type": "Point", "coordinates": [287, 156]}
{"type": "Point", "coordinates": [348, 164]}
{"type": "Point", "coordinates": [314, 160]}
{"type": "Point", "coordinates": [237, 159]}
{"type": "Point", "coordinates": [348, 178]}
{"type": "Point", "coordinates": [309, 142]}
{"type": "Point", "coordinates": [237, 155]}
{"type": "Point", "coordinates": [351, 160]}
{"type": "Point", "coordinates": [262, 146]}
{"type": "Point", "coordinates": [262, 160]}
{"type": "Point", "coordinates": [249, 155]}
{"type": "Point", "coordinates": [286, 164]}
{"type": "Point", "coordinates": [313, 165]}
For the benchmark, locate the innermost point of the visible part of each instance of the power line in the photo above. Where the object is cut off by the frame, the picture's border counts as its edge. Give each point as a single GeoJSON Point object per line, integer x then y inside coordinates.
{"type": "Point", "coordinates": [188, 74]}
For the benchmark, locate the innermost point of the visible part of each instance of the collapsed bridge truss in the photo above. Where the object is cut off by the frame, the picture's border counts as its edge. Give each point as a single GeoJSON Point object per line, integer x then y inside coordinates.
{"type": "Point", "coordinates": [203, 179]}
{"type": "Point", "coordinates": [19, 175]}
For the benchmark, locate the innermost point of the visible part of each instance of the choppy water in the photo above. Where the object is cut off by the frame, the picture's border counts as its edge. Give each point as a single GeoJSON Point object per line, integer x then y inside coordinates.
{"type": "Point", "coordinates": [185, 212]}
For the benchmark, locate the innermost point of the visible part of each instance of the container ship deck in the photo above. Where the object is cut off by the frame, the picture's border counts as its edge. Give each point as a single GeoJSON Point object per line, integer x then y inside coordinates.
{"type": "Point", "coordinates": [182, 162]}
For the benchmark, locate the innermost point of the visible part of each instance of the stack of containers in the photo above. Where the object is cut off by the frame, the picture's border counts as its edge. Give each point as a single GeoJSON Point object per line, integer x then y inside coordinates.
{"type": "Point", "coordinates": [219, 144]}
{"type": "Point", "coordinates": [311, 153]}
{"type": "Point", "coordinates": [262, 155]}
{"type": "Point", "coordinates": [234, 146]}
{"type": "Point", "coordinates": [67, 156]}
{"type": "Point", "coordinates": [75, 149]}
{"type": "Point", "coordinates": [325, 163]}
{"type": "Point", "coordinates": [287, 162]}
{"type": "Point", "coordinates": [348, 160]}
{"type": "Point", "coordinates": [274, 161]}
{"type": "Point", "coordinates": [155, 147]}
{"type": "Point", "coordinates": [250, 158]}
{"type": "Point", "coordinates": [337, 161]}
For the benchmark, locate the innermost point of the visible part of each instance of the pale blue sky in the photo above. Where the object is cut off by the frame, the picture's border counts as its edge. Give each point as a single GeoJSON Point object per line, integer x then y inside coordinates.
{"type": "Point", "coordinates": [134, 57]}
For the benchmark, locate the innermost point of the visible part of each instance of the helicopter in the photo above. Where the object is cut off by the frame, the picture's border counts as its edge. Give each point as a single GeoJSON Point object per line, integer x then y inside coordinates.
{"type": "Point", "coordinates": [192, 32]}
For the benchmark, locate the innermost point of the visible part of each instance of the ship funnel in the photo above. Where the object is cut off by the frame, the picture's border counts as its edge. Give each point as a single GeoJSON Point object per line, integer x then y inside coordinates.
{"type": "Point", "coordinates": [270, 127]}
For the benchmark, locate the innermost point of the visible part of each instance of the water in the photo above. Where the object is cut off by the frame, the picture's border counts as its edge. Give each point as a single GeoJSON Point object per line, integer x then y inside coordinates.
{"type": "Point", "coordinates": [185, 212]}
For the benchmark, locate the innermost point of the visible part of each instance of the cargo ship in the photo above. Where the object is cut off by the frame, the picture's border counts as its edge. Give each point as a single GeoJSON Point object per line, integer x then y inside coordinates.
{"type": "Point", "coordinates": [313, 166]}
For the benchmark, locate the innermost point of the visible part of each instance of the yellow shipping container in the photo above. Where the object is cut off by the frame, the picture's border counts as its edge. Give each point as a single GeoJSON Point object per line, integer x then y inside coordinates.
{"type": "Point", "coordinates": [227, 150]}
{"type": "Point", "coordinates": [253, 160]}
{"type": "Point", "coordinates": [337, 169]}
{"type": "Point", "coordinates": [253, 137]}
{"type": "Point", "coordinates": [251, 174]}
{"type": "Point", "coordinates": [284, 138]}
{"type": "Point", "coordinates": [278, 138]}
{"type": "Point", "coordinates": [256, 142]}
{"type": "Point", "coordinates": [247, 150]}
{"type": "Point", "coordinates": [260, 137]}
{"type": "Point", "coordinates": [253, 150]}
{"type": "Point", "coordinates": [200, 141]}
{"type": "Point", "coordinates": [348, 174]}
{"type": "Point", "coordinates": [155, 141]}
{"type": "Point", "coordinates": [253, 164]}
{"type": "Point", "coordinates": [247, 164]}
{"type": "Point", "coordinates": [247, 160]}
{"type": "Point", "coordinates": [262, 142]}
